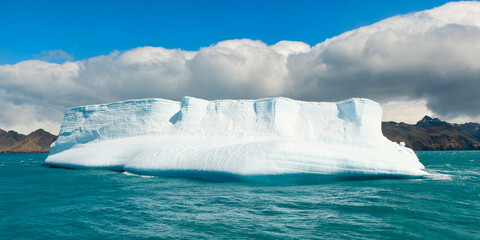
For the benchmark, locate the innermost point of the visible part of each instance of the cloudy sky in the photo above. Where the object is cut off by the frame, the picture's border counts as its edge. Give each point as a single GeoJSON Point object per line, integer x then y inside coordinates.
{"type": "Point", "coordinates": [413, 58]}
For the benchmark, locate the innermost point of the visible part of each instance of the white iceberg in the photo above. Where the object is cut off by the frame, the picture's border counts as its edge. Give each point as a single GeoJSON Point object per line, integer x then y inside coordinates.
{"type": "Point", "coordinates": [241, 139]}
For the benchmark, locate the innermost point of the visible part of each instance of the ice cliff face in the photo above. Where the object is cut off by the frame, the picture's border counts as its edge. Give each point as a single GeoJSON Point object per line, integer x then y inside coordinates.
{"type": "Point", "coordinates": [273, 136]}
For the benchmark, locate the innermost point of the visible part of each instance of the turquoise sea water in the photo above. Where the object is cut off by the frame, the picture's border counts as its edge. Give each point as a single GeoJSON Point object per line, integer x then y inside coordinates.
{"type": "Point", "coordinates": [37, 202]}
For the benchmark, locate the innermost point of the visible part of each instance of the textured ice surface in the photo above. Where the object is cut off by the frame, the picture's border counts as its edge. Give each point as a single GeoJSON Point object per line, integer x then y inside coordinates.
{"type": "Point", "coordinates": [243, 138]}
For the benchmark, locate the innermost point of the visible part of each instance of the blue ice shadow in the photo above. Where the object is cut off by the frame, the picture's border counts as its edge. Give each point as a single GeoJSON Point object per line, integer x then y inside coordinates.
{"type": "Point", "coordinates": [214, 176]}
{"type": "Point", "coordinates": [296, 178]}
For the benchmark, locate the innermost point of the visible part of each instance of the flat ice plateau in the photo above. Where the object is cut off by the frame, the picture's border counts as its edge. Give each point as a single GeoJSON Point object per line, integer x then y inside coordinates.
{"type": "Point", "coordinates": [237, 139]}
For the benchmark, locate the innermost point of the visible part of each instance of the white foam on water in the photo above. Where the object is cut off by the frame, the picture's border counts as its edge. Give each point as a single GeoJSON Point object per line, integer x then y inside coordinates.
{"type": "Point", "coordinates": [439, 176]}
{"type": "Point", "coordinates": [136, 175]}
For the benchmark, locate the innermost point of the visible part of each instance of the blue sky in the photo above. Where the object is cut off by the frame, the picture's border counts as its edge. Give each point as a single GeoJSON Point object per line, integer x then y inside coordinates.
{"type": "Point", "coordinates": [86, 29]}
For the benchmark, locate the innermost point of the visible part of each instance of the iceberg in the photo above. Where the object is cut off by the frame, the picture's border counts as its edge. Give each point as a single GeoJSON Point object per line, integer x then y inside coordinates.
{"type": "Point", "coordinates": [271, 138]}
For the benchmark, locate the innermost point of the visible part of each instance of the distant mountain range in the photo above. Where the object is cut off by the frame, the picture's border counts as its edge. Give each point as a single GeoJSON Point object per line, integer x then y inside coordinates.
{"type": "Point", "coordinates": [426, 135]}
{"type": "Point", "coordinates": [36, 142]}
{"type": "Point", "coordinates": [434, 134]}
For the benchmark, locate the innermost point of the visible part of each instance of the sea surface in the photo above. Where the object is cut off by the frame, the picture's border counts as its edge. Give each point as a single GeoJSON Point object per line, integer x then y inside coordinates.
{"type": "Point", "coordinates": [37, 202]}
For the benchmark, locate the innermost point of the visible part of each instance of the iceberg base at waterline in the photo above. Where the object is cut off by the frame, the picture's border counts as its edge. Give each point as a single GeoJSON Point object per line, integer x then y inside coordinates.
{"type": "Point", "coordinates": [273, 139]}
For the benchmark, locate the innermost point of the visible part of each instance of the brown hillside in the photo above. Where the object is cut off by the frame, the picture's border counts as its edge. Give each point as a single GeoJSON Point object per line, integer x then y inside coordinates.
{"type": "Point", "coordinates": [432, 134]}
{"type": "Point", "coordinates": [38, 141]}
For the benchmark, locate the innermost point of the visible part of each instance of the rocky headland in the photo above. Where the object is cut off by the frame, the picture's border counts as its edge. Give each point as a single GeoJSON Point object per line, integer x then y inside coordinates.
{"type": "Point", "coordinates": [432, 134]}
{"type": "Point", "coordinates": [36, 142]}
